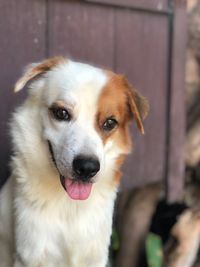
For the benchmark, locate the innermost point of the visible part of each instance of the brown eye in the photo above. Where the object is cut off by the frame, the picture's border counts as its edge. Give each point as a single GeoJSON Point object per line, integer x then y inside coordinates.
{"type": "Point", "coordinates": [60, 114]}
{"type": "Point", "coordinates": [109, 124]}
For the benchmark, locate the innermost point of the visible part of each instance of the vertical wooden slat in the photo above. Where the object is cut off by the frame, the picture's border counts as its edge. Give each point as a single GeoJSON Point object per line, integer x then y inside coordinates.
{"type": "Point", "coordinates": [81, 31]}
{"type": "Point", "coordinates": [175, 177]}
{"type": "Point", "coordinates": [142, 55]}
{"type": "Point", "coordinates": [22, 31]}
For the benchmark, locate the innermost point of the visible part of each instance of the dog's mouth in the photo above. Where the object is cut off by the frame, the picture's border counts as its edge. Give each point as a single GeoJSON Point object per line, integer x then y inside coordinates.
{"type": "Point", "coordinates": [76, 190]}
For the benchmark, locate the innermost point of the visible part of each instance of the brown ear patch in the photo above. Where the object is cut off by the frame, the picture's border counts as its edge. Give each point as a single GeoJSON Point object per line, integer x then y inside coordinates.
{"type": "Point", "coordinates": [138, 105]}
{"type": "Point", "coordinates": [34, 70]}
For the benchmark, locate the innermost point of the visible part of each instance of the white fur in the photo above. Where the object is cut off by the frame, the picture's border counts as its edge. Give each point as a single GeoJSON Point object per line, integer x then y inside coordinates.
{"type": "Point", "coordinates": [52, 230]}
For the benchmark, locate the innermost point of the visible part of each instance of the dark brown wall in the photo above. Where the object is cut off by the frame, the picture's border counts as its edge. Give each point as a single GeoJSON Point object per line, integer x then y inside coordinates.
{"type": "Point", "coordinates": [132, 37]}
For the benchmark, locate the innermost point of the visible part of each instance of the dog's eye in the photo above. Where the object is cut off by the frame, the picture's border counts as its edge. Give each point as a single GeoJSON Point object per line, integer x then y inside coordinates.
{"type": "Point", "coordinates": [109, 124]}
{"type": "Point", "coordinates": [60, 114]}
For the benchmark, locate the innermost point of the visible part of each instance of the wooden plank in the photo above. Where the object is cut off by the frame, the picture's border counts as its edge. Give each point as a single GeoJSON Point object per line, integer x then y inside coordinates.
{"type": "Point", "coordinates": [156, 5]}
{"type": "Point", "coordinates": [80, 31]}
{"type": "Point", "coordinates": [141, 49]}
{"type": "Point", "coordinates": [22, 31]}
{"type": "Point", "coordinates": [176, 165]}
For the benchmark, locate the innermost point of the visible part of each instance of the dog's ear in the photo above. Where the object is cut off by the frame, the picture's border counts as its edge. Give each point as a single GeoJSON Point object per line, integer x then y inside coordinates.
{"type": "Point", "coordinates": [138, 105]}
{"type": "Point", "coordinates": [35, 69]}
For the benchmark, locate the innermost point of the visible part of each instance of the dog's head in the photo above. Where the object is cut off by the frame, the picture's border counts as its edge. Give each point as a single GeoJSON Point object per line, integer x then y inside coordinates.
{"type": "Point", "coordinates": [85, 112]}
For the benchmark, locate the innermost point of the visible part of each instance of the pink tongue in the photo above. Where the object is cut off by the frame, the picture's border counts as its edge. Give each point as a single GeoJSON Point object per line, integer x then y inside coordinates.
{"type": "Point", "coordinates": [77, 190]}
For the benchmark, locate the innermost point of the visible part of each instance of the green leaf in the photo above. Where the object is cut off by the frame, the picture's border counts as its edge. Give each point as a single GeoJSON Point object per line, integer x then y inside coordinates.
{"type": "Point", "coordinates": [154, 250]}
{"type": "Point", "coordinates": [115, 244]}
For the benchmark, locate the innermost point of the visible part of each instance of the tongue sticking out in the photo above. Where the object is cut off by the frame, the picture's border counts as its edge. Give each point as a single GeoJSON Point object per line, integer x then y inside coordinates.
{"type": "Point", "coordinates": [77, 190]}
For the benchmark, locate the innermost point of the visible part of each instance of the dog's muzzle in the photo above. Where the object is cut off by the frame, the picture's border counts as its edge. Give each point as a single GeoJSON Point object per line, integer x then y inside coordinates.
{"type": "Point", "coordinates": [84, 169]}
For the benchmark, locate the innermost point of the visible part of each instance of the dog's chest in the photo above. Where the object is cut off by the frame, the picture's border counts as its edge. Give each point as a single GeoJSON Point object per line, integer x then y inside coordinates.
{"type": "Point", "coordinates": [77, 234]}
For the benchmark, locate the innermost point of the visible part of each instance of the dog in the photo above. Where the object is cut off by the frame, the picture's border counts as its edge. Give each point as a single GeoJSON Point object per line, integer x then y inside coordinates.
{"type": "Point", "coordinates": [70, 138]}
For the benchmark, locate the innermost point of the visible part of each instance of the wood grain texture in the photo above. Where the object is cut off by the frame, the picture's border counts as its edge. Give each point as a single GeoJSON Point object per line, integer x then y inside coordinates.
{"type": "Point", "coordinates": [142, 56]}
{"type": "Point", "coordinates": [176, 164]}
{"type": "Point", "coordinates": [82, 32]}
{"type": "Point", "coordinates": [157, 5]}
{"type": "Point", "coordinates": [22, 31]}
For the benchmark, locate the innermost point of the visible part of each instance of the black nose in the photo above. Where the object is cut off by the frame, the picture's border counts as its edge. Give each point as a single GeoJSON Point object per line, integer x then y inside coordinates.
{"type": "Point", "coordinates": [85, 167]}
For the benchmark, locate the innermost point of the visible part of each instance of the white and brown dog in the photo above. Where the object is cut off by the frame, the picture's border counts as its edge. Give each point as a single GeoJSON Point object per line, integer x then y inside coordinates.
{"type": "Point", "coordinates": [70, 138]}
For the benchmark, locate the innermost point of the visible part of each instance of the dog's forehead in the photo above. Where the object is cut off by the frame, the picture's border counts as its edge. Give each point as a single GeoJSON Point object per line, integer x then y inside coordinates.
{"type": "Point", "coordinates": [75, 81]}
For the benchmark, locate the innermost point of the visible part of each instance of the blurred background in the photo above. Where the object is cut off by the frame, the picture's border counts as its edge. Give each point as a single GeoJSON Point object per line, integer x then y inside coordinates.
{"type": "Point", "coordinates": [156, 44]}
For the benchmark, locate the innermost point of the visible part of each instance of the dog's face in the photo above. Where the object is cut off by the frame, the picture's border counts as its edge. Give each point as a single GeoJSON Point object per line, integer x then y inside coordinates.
{"type": "Point", "coordinates": [85, 112]}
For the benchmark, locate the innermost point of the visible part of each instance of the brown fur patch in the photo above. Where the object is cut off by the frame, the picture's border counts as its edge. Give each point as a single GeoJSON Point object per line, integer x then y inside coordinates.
{"type": "Point", "coordinates": [48, 64]}
{"type": "Point", "coordinates": [59, 103]}
{"type": "Point", "coordinates": [119, 100]}
{"type": "Point", "coordinates": [119, 161]}
{"type": "Point", "coordinates": [122, 102]}
{"type": "Point", "coordinates": [112, 102]}
{"type": "Point", "coordinates": [34, 70]}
